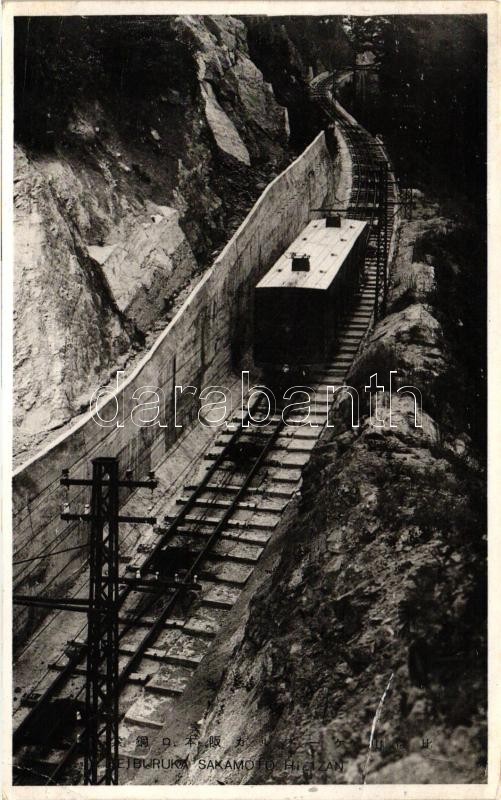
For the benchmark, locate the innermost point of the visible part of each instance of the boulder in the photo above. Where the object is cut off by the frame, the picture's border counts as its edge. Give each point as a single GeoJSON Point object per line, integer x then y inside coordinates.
{"type": "Point", "coordinates": [257, 98]}
{"type": "Point", "coordinates": [148, 265]}
{"type": "Point", "coordinates": [222, 128]}
{"type": "Point", "coordinates": [415, 285]}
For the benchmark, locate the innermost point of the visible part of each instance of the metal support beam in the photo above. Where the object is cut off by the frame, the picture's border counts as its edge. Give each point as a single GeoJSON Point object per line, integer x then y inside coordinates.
{"type": "Point", "coordinates": [89, 518]}
{"type": "Point", "coordinates": [102, 647]}
{"type": "Point", "coordinates": [128, 484]}
{"type": "Point", "coordinates": [101, 698]}
{"type": "Point", "coordinates": [378, 271]}
{"type": "Point", "coordinates": [382, 244]}
{"type": "Point", "coordinates": [384, 218]}
{"type": "Point", "coordinates": [63, 604]}
{"type": "Point", "coordinates": [157, 585]}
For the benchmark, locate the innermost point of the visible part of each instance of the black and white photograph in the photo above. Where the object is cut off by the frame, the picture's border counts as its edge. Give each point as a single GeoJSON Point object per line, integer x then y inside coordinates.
{"type": "Point", "coordinates": [245, 369]}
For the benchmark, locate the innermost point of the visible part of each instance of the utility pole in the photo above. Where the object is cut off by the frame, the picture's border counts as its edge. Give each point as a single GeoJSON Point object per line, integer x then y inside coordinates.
{"type": "Point", "coordinates": [102, 686]}
{"type": "Point", "coordinates": [101, 694]}
{"type": "Point", "coordinates": [103, 681]}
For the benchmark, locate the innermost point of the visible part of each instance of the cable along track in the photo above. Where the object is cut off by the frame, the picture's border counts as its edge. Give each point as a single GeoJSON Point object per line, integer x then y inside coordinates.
{"type": "Point", "coordinates": [221, 528]}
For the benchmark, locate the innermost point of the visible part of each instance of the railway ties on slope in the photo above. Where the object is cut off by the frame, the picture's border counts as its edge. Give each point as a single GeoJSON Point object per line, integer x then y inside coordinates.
{"type": "Point", "coordinates": [374, 195]}
{"type": "Point", "coordinates": [219, 528]}
{"type": "Point", "coordinates": [224, 530]}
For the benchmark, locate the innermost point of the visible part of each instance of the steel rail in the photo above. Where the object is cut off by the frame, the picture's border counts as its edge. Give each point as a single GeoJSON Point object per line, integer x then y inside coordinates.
{"type": "Point", "coordinates": [159, 622]}
{"type": "Point", "coordinates": [369, 159]}
{"type": "Point", "coordinates": [69, 670]}
{"type": "Point", "coordinates": [66, 674]}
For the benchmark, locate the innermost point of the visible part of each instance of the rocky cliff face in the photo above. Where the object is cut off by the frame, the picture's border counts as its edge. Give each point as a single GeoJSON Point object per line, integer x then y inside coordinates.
{"type": "Point", "coordinates": [141, 144]}
{"type": "Point", "coordinates": [68, 328]}
{"type": "Point", "coordinates": [363, 655]}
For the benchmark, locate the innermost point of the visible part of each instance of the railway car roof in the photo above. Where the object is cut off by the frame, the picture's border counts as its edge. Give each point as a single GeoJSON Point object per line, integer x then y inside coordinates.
{"type": "Point", "coordinates": [327, 249]}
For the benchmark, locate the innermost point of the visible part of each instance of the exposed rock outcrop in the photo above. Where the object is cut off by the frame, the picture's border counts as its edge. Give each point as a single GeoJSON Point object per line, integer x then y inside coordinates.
{"type": "Point", "coordinates": [222, 128]}
{"type": "Point", "coordinates": [223, 60]}
{"type": "Point", "coordinates": [148, 266]}
{"type": "Point", "coordinates": [136, 162]}
{"type": "Point", "coordinates": [67, 326]}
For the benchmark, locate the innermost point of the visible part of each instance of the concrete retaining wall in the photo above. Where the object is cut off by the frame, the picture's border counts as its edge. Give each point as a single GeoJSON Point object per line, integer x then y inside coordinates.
{"type": "Point", "coordinates": [204, 340]}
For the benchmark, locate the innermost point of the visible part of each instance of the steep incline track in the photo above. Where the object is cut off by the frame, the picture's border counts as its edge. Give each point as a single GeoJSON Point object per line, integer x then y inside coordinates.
{"type": "Point", "coordinates": [221, 527]}
{"type": "Point", "coordinates": [374, 194]}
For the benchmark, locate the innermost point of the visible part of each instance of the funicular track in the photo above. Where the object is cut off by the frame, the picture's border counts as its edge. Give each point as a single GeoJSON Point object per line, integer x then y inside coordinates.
{"type": "Point", "coordinates": [222, 524]}
{"type": "Point", "coordinates": [374, 194]}
{"type": "Point", "coordinates": [161, 612]}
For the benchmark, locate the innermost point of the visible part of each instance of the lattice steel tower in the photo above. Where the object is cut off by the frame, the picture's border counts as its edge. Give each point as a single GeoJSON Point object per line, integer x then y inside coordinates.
{"type": "Point", "coordinates": [101, 729]}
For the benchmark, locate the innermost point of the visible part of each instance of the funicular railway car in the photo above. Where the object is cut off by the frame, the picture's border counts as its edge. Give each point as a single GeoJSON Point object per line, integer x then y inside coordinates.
{"type": "Point", "coordinates": [301, 301]}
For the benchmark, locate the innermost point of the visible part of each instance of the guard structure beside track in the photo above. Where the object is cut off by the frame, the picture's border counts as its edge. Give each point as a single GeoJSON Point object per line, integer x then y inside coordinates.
{"type": "Point", "coordinates": [198, 347]}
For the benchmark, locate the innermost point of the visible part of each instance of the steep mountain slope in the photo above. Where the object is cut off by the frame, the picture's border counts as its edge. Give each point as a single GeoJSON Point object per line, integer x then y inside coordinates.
{"type": "Point", "coordinates": [141, 143]}
{"type": "Point", "coordinates": [363, 654]}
